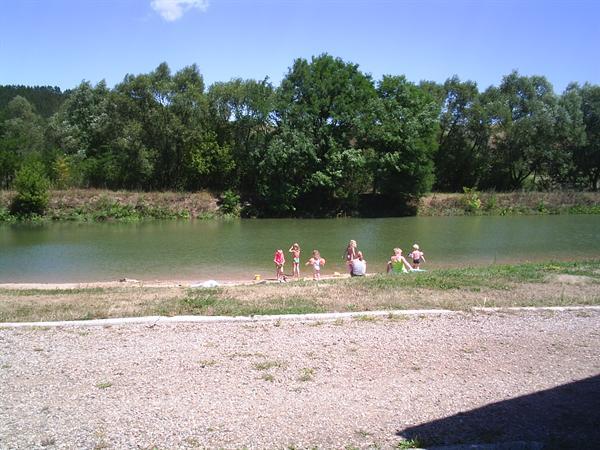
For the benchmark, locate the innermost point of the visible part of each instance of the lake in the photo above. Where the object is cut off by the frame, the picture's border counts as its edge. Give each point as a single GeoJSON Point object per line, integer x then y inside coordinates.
{"type": "Point", "coordinates": [238, 249]}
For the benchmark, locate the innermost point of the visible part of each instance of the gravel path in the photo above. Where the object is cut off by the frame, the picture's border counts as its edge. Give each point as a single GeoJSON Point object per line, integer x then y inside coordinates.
{"type": "Point", "coordinates": [338, 384]}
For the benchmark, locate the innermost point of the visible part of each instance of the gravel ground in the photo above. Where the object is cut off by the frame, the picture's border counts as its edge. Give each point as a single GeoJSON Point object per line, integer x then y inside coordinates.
{"type": "Point", "coordinates": [463, 377]}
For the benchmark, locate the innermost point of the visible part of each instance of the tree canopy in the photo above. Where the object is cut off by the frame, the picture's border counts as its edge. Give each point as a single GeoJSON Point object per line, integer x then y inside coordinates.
{"type": "Point", "coordinates": [328, 140]}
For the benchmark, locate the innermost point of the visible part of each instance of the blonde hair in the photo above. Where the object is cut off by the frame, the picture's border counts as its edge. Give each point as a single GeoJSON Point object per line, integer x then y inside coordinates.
{"type": "Point", "coordinates": [416, 246]}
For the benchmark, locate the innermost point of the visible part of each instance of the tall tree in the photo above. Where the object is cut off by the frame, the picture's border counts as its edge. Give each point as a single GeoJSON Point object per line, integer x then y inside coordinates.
{"type": "Point", "coordinates": [587, 155]}
{"type": "Point", "coordinates": [321, 108]}
{"type": "Point", "coordinates": [462, 137]}
{"type": "Point", "coordinates": [242, 114]}
{"type": "Point", "coordinates": [521, 114]}
{"type": "Point", "coordinates": [402, 131]}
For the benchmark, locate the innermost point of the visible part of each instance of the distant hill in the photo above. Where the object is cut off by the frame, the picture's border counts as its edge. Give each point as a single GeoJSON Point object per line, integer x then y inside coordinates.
{"type": "Point", "coordinates": [45, 99]}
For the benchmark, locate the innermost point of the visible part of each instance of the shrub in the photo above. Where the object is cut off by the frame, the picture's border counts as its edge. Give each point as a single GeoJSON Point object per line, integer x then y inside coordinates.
{"type": "Point", "coordinates": [32, 186]}
{"type": "Point", "coordinates": [471, 199]}
{"type": "Point", "coordinates": [230, 203]}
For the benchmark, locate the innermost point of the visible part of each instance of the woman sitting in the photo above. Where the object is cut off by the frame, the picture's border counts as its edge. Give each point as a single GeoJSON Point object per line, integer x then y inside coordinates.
{"type": "Point", "coordinates": [358, 266]}
{"type": "Point", "coordinates": [398, 263]}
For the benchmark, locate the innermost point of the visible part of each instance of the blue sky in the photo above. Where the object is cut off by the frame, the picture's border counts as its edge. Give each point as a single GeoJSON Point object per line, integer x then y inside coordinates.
{"type": "Point", "coordinates": [62, 42]}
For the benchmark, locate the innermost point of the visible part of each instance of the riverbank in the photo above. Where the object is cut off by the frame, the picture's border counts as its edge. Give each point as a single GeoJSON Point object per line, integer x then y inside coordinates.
{"type": "Point", "coordinates": [97, 205]}
{"type": "Point", "coordinates": [534, 284]}
{"type": "Point", "coordinates": [509, 203]}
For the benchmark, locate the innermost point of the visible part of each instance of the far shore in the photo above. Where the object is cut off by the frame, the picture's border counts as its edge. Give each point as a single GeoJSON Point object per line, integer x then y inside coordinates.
{"type": "Point", "coordinates": [101, 205]}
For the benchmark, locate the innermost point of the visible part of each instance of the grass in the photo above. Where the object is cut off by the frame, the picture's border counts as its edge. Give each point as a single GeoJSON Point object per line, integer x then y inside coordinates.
{"type": "Point", "coordinates": [266, 365]}
{"type": "Point", "coordinates": [527, 284]}
{"type": "Point", "coordinates": [509, 203]}
{"type": "Point", "coordinates": [306, 374]}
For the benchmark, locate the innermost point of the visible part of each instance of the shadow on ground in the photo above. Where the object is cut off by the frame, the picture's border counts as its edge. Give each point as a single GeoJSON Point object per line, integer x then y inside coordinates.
{"type": "Point", "coordinates": [565, 417]}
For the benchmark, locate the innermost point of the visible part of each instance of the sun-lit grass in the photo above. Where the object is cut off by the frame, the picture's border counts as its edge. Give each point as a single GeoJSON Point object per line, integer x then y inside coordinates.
{"type": "Point", "coordinates": [528, 284]}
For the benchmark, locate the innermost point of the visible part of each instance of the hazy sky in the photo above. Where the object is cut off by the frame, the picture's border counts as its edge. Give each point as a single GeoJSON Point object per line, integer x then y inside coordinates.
{"type": "Point", "coordinates": [62, 42]}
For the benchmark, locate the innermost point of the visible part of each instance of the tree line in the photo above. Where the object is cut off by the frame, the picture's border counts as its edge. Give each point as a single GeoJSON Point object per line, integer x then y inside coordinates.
{"type": "Point", "coordinates": [328, 140]}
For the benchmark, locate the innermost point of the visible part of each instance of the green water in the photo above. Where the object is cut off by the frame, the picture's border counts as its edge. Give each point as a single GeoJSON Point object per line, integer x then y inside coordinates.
{"type": "Point", "coordinates": [200, 250]}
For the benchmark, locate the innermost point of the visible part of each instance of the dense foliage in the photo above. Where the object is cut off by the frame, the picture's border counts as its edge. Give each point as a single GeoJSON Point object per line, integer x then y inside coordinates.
{"type": "Point", "coordinates": [328, 140]}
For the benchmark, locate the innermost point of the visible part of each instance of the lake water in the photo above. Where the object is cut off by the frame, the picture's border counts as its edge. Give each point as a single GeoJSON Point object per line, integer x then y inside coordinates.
{"type": "Point", "coordinates": [236, 250]}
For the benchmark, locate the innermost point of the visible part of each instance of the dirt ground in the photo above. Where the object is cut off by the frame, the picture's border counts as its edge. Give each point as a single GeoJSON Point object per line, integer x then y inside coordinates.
{"type": "Point", "coordinates": [361, 383]}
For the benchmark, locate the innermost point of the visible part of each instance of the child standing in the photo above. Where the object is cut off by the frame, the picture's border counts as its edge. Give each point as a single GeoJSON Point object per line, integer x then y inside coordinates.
{"type": "Point", "coordinates": [279, 261]}
{"type": "Point", "coordinates": [316, 262]}
{"type": "Point", "coordinates": [417, 256]}
{"type": "Point", "coordinates": [295, 251]}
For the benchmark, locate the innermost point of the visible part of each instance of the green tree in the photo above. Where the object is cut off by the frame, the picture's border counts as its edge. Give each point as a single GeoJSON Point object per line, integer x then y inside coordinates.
{"type": "Point", "coordinates": [402, 131]}
{"type": "Point", "coordinates": [242, 114]}
{"type": "Point", "coordinates": [22, 135]}
{"type": "Point", "coordinates": [32, 186]}
{"type": "Point", "coordinates": [462, 136]}
{"type": "Point", "coordinates": [587, 154]}
{"type": "Point", "coordinates": [320, 111]}
{"type": "Point", "coordinates": [521, 114]}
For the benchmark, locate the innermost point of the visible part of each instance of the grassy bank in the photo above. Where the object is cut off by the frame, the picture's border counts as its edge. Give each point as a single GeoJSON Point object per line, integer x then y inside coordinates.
{"type": "Point", "coordinates": [535, 284]}
{"type": "Point", "coordinates": [94, 205]}
{"type": "Point", "coordinates": [509, 203]}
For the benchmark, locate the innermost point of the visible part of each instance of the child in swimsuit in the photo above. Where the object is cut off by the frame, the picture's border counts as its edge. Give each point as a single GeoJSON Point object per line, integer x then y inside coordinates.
{"type": "Point", "coordinates": [295, 251]}
{"type": "Point", "coordinates": [417, 256]}
{"type": "Point", "coordinates": [279, 261]}
{"type": "Point", "coordinates": [316, 262]}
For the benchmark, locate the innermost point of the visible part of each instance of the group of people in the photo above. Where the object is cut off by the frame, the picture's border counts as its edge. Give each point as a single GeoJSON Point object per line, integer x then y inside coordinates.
{"type": "Point", "coordinates": [399, 264]}
{"type": "Point", "coordinates": [316, 261]}
{"type": "Point", "coordinates": [355, 261]}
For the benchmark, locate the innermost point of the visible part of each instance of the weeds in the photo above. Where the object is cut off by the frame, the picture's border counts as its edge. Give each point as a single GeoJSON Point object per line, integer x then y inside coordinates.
{"type": "Point", "coordinates": [306, 374]}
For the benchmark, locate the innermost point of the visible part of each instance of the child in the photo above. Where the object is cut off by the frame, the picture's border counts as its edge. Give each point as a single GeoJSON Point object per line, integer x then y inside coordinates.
{"type": "Point", "coordinates": [398, 263]}
{"type": "Point", "coordinates": [350, 254]}
{"type": "Point", "coordinates": [316, 261]}
{"type": "Point", "coordinates": [417, 256]}
{"type": "Point", "coordinates": [279, 261]}
{"type": "Point", "coordinates": [295, 251]}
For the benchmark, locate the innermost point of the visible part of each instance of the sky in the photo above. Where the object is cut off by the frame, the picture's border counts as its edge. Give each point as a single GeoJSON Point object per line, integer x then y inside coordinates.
{"type": "Point", "coordinates": [64, 42]}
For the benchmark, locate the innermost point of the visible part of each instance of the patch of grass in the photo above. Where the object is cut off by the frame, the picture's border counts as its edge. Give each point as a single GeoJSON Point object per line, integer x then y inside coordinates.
{"type": "Point", "coordinates": [103, 385]}
{"type": "Point", "coordinates": [214, 302]}
{"type": "Point", "coordinates": [409, 443]}
{"type": "Point", "coordinates": [207, 363]}
{"type": "Point", "coordinates": [366, 318]}
{"type": "Point", "coordinates": [50, 292]}
{"type": "Point", "coordinates": [306, 374]}
{"type": "Point", "coordinates": [266, 365]}
{"type": "Point", "coordinates": [267, 377]}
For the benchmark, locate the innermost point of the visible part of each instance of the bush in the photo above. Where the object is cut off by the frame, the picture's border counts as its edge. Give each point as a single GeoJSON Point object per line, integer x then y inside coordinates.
{"type": "Point", "coordinates": [32, 186]}
{"type": "Point", "coordinates": [471, 199]}
{"type": "Point", "coordinates": [230, 203]}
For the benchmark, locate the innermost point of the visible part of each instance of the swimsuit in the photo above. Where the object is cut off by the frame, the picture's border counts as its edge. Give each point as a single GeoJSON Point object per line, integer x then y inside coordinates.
{"type": "Point", "coordinates": [296, 260]}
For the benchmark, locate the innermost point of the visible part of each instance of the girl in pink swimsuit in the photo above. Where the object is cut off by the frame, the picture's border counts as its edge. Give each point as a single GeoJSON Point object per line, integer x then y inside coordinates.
{"type": "Point", "coordinates": [279, 261]}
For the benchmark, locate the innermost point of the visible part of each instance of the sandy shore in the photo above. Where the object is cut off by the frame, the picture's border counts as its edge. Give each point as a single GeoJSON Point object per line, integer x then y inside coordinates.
{"type": "Point", "coordinates": [129, 282]}
{"type": "Point", "coordinates": [461, 377]}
